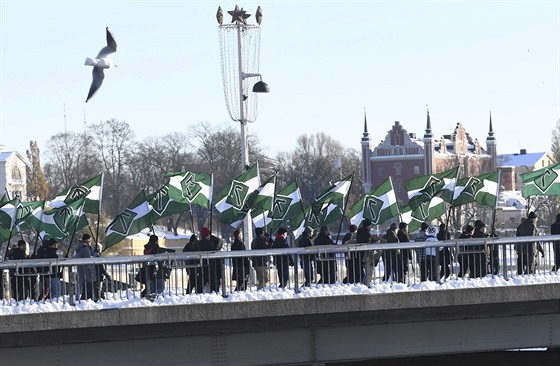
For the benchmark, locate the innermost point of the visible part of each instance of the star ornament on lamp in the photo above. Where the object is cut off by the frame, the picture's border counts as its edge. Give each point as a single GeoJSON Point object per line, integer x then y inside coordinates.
{"type": "Point", "coordinates": [239, 15]}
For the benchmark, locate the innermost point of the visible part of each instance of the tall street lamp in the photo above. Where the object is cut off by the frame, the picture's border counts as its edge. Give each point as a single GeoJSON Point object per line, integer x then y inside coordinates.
{"type": "Point", "coordinates": [240, 54]}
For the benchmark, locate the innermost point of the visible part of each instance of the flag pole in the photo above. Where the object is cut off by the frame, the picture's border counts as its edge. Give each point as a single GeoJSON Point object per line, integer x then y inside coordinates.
{"type": "Point", "coordinates": [211, 200]}
{"type": "Point", "coordinates": [192, 218]}
{"type": "Point", "coordinates": [39, 228]}
{"type": "Point", "coordinates": [344, 208]}
{"type": "Point", "coordinates": [74, 231]}
{"type": "Point", "coordinates": [98, 209]}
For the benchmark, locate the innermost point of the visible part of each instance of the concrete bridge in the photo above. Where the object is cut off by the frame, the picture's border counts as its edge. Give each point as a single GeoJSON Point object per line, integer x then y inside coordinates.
{"type": "Point", "coordinates": [315, 330]}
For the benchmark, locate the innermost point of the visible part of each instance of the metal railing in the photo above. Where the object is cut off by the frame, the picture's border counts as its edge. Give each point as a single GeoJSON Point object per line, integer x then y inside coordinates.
{"type": "Point", "coordinates": [226, 272]}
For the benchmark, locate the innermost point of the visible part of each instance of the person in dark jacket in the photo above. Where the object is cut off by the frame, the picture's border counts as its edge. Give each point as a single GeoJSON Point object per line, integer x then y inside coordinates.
{"type": "Point", "coordinates": [445, 254]}
{"type": "Point", "coordinates": [212, 273]}
{"type": "Point", "coordinates": [282, 262]}
{"type": "Point", "coordinates": [155, 270]}
{"type": "Point", "coordinates": [390, 256]}
{"type": "Point", "coordinates": [307, 259]}
{"type": "Point", "coordinates": [526, 252]}
{"type": "Point", "coordinates": [355, 266]}
{"type": "Point", "coordinates": [21, 287]}
{"type": "Point", "coordinates": [193, 269]}
{"type": "Point", "coordinates": [241, 265]}
{"type": "Point", "coordinates": [555, 230]}
{"type": "Point", "coordinates": [260, 263]}
{"type": "Point", "coordinates": [51, 275]}
{"type": "Point", "coordinates": [464, 257]}
{"type": "Point", "coordinates": [477, 260]}
{"type": "Point", "coordinates": [421, 252]}
{"type": "Point", "coordinates": [349, 238]}
{"type": "Point", "coordinates": [405, 255]}
{"type": "Point", "coordinates": [327, 266]}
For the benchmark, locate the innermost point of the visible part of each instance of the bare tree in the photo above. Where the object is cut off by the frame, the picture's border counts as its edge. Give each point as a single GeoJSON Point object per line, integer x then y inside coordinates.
{"type": "Point", "coordinates": [114, 143]}
{"type": "Point", "coordinates": [70, 160]}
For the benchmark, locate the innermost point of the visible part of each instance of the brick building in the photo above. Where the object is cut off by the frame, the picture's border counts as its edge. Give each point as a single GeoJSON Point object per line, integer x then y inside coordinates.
{"type": "Point", "coordinates": [403, 156]}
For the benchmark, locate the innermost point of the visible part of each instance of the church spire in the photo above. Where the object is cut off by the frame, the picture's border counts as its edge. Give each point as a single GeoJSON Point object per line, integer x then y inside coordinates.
{"type": "Point", "coordinates": [366, 133]}
{"type": "Point", "coordinates": [428, 125]}
{"type": "Point", "coordinates": [490, 129]}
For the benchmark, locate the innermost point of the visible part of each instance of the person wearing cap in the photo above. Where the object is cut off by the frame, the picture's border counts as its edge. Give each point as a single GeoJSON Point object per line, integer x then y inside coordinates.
{"type": "Point", "coordinates": [305, 241]}
{"type": "Point", "coordinates": [86, 274]}
{"type": "Point", "coordinates": [327, 266]}
{"type": "Point", "coordinates": [432, 255]}
{"type": "Point", "coordinates": [260, 263]}
{"type": "Point", "coordinates": [212, 272]}
{"type": "Point", "coordinates": [282, 262]}
{"type": "Point", "coordinates": [154, 270]}
{"type": "Point", "coordinates": [526, 252]}
{"type": "Point", "coordinates": [390, 256]}
{"type": "Point", "coordinates": [241, 265]}
{"type": "Point", "coordinates": [50, 280]}
{"type": "Point", "coordinates": [193, 270]}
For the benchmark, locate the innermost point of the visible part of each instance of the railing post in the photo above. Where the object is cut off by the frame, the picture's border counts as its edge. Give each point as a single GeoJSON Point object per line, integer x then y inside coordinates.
{"type": "Point", "coordinates": [504, 262]}
{"type": "Point", "coordinates": [6, 288]}
{"type": "Point", "coordinates": [224, 287]}
{"type": "Point", "coordinates": [72, 294]}
{"type": "Point", "coordinates": [296, 272]}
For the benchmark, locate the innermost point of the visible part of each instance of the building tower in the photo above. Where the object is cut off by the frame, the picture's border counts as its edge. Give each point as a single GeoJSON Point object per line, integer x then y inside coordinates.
{"type": "Point", "coordinates": [428, 146]}
{"type": "Point", "coordinates": [366, 161]}
{"type": "Point", "coordinates": [491, 144]}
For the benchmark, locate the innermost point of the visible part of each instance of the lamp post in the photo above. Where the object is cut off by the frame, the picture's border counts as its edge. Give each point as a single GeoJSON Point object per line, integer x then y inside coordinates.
{"type": "Point", "coordinates": [240, 53]}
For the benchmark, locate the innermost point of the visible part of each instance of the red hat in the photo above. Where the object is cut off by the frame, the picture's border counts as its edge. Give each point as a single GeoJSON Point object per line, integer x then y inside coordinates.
{"type": "Point", "coordinates": [204, 232]}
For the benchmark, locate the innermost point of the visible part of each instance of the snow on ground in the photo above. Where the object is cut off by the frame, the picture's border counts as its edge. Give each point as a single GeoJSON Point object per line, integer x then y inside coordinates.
{"type": "Point", "coordinates": [272, 293]}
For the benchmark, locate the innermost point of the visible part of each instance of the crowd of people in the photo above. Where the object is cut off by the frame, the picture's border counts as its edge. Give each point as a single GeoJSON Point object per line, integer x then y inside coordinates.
{"type": "Point", "coordinates": [431, 262]}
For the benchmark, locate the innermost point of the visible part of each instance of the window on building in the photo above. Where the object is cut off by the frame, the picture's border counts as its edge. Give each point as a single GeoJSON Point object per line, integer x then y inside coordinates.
{"type": "Point", "coordinates": [16, 174]}
{"type": "Point", "coordinates": [416, 170]}
{"type": "Point", "coordinates": [380, 171]}
{"type": "Point", "coordinates": [398, 170]}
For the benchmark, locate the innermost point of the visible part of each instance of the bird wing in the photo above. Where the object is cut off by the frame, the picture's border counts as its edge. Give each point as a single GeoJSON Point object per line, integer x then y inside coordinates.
{"type": "Point", "coordinates": [97, 79]}
{"type": "Point", "coordinates": [111, 45]}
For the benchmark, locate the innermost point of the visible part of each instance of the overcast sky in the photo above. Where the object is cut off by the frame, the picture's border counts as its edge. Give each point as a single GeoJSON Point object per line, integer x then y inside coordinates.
{"type": "Point", "coordinates": [325, 61]}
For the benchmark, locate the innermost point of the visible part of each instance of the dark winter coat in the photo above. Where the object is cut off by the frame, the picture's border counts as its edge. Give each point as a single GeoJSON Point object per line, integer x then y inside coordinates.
{"type": "Point", "coordinates": [241, 266]}
{"type": "Point", "coordinates": [259, 243]}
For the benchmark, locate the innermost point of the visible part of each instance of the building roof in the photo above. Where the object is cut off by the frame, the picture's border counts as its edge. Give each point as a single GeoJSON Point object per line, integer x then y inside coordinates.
{"type": "Point", "coordinates": [526, 159]}
{"type": "Point", "coordinates": [5, 155]}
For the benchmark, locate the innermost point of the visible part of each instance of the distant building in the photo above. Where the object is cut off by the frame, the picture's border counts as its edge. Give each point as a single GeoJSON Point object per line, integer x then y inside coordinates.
{"type": "Point", "coordinates": [403, 156]}
{"type": "Point", "coordinates": [513, 165]}
{"type": "Point", "coordinates": [13, 175]}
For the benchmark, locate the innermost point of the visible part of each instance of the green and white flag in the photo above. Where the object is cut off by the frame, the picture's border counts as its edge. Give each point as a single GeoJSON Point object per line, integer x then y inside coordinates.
{"type": "Point", "coordinates": [427, 211]}
{"type": "Point", "coordinates": [287, 204]}
{"type": "Point", "coordinates": [309, 217]}
{"type": "Point", "coordinates": [378, 206]}
{"type": "Point", "coordinates": [542, 182]}
{"type": "Point", "coordinates": [163, 205]}
{"type": "Point", "coordinates": [482, 189]}
{"type": "Point", "coordinates": [233, 200]}
{"type": "Point", "coordinates": [5, 198]}
{"type": "Point", "coordinates": [91, 190]}
{"type": "Point", "coordinates": [422, 189]}
{"type": "Point", "coordinates": [335, 193]}
{"type": "Point", "coordinates": [60, 222]}
{"type": "Point", "coordinates": [299, 222]}
{"type": "Point", "coordinates": [134, 219]}
{"type": "Point", "coordinates": [191, 188]}
{"type": "Point", "coordinates": [261, 203]}
{"type": "Point", "coordinates": [8, 212]}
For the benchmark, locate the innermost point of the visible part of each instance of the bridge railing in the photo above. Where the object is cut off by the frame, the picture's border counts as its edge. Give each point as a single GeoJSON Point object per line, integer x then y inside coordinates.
{"type": "Point", "coordinates": [121, 278]}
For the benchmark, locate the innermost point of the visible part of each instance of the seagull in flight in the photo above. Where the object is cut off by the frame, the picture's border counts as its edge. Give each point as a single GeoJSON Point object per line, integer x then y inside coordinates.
{"type": "Point", "coordinates": [102, 61]}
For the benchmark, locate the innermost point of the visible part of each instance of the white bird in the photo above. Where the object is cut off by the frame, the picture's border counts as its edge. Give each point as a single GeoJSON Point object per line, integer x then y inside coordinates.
{"type": "Point", "coordinates": [102, 61]}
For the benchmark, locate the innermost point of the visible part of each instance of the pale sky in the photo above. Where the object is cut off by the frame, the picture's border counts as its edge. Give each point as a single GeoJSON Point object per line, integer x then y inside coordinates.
{"type": "Point", "coordinates": [325, 62]}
